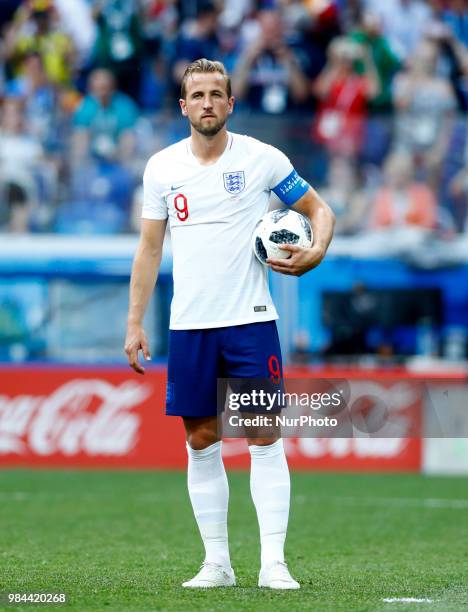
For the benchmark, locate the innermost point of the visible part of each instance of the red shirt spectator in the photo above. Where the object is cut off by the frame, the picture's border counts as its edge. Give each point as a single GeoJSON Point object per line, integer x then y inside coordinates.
{"type": "Point", "coordinates": [402, 201]}
{"type": "Point", "coordinates": [344, 96]}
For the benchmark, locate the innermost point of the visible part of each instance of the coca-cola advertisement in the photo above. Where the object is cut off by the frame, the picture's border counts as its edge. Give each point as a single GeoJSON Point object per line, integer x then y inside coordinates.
{"type": "Point", "coordinates": [86, 417]}
{"type": "Point", "coordinates": [111, 417]}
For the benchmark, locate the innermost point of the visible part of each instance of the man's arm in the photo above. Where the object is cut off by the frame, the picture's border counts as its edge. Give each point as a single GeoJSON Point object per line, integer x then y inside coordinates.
{"type": "Point", "coordinates": [322, 220]}
{"type": "Point", "coordinates": [126, 146]}
{"type": "Point", "coordinates": [241, 74]}
{"type": "Point", "coordinates": [79, 145]}
{"type": "Point", "coordinates": [298, 82]}
{"type": "Point", "coordinates": [144, 274]}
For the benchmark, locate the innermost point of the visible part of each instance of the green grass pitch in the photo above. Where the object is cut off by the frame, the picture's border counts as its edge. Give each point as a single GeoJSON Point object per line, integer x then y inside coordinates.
{"type": "Point", "coordinates": [126, 541]}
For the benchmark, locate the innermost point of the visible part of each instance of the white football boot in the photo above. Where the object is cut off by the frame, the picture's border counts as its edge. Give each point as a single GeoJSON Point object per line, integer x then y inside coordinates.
{"type": "Point", "coordinates": [212, 575]}
{"type": "Point", "coordinates": [277, 576]}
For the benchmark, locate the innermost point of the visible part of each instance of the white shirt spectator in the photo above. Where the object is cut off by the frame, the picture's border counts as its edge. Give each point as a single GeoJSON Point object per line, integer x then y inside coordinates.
{"type": "Point", "coordinates": [404, 22]}
{"type": "Point", "coordinates": [77, 20]}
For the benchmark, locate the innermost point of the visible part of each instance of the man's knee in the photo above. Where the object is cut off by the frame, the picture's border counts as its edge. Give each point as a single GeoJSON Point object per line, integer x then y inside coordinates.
{"type": "Point", "coordinates": [201, 433]}
{"type": "Point", "coordinates": [262, 441]}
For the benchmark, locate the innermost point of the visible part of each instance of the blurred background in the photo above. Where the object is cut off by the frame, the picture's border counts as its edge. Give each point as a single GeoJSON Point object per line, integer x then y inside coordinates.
{"type": "Point", "coordinates": [369, 100]}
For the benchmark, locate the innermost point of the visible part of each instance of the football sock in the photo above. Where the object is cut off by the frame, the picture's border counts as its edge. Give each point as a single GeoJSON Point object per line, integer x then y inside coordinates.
{"type": "Point", "coordinates": [270, 488]}
{"type": "Point", "coordinates": [209, 494]}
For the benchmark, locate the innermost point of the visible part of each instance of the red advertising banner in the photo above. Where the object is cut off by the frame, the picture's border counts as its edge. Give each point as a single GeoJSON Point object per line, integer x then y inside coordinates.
{"type": "Point", "coordinates": [105, 417]}
{"type": "Point", "coordinates": [87, 417]}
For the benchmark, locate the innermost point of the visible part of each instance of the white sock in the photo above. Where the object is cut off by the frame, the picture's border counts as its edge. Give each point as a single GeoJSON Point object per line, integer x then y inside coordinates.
{"type": "Point", "coordinates": [209, 494]}
{"type": "Point", "coordinates": [270, 488]}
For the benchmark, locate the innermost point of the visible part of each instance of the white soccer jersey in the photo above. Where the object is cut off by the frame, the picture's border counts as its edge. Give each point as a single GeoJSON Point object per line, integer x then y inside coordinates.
{"type": "Point", "coordinates": [212, 213]}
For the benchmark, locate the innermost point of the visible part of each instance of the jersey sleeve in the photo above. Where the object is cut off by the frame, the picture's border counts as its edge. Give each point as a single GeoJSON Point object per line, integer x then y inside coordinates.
{"type": "Point", "coordinates": [154, 205]}
{"type": "Point", "coordinates": [284, 180]}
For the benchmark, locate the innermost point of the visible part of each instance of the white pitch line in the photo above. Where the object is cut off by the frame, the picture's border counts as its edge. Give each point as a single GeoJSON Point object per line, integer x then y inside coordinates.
{"type": "Point", "coordinates": [446, 503]}
{"type": "Point", "coordinates": [407, 600]}
{"type": "Point", "coordinates": [437, 503]}
{"type": "Point", "coordinates": [451, 504]}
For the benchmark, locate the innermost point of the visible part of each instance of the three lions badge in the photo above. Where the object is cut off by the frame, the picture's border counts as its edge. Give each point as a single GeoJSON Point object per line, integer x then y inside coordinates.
{"type": "Point", "coordinates": [234, 182]}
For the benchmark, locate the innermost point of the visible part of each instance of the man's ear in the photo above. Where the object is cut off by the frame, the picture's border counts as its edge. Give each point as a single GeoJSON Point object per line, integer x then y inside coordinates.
{"type": "Point", "coordinates": [183, 107]}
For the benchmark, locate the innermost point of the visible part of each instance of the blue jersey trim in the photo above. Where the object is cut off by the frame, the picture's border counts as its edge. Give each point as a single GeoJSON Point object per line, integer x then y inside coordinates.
{"type": "Point", "coordinates": [291, 189]}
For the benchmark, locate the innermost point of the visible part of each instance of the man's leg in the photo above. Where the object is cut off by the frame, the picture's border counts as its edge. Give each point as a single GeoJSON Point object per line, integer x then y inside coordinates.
{"type": "Point", "coordinates": [270, 489]}
{"type": "Point", "coordinates": [209, 494]}
{"type": "Point", "coordinates": [252, 352]}
{"type": "Point", "coordinates": [192, 395]}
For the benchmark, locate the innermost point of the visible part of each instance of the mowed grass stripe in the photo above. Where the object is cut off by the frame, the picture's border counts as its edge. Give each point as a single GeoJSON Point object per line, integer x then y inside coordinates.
{"type": "Point", "coordinates": [127, 540]}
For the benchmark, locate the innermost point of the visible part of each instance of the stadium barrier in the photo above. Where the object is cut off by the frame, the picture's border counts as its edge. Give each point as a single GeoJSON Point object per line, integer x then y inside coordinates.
{"type": "Point", "coordinates": [56, 294]}
{"type": "Point", "coordinates": [109, 417]}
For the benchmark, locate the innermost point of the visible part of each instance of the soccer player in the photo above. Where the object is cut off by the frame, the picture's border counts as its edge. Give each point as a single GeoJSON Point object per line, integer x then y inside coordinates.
{"type": "Point", "coordinates": [213, 187]}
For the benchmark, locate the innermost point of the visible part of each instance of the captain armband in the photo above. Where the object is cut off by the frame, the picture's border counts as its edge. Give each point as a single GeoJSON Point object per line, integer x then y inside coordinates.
{"type": "Point", "coordinates": [291, 189]}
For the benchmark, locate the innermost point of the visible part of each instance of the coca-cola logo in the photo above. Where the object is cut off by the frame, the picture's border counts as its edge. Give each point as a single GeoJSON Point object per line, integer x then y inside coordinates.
{"type": "Point", "coordinates": [90, 416]}
{"type": "Point", "coordinates": [364, 400]}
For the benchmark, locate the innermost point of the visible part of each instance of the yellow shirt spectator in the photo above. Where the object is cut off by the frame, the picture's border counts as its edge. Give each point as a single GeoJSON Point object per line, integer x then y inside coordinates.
{"type": "Point", "coordinates": [56, 50]}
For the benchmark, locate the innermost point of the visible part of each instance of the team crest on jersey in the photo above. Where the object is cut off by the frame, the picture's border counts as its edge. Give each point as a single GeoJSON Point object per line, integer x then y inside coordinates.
{"type": "Point", "coordinates": [234, 182]}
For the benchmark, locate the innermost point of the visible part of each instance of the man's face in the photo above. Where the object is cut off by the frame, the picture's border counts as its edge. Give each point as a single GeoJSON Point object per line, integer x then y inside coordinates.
{"type": "Point", "coordinates": [33, 67]}
{"type": "Point", "coordinates": [12, 115]}
{"type": "Point", "coordinates": [101, 84]}
{"type": "Point", "coordinates": [206, 104]}
{"type": "Point", "coordinates": [272, 28]}
{"type": "Point", "coordinates": [42, 19]}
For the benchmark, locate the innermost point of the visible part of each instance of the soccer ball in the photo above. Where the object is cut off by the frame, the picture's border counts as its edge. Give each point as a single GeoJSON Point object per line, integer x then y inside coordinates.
{"type": "Point", "coordinates": [279, 227]}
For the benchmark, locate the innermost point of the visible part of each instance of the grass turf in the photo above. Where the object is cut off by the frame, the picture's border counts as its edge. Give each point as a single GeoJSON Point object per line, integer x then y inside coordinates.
{"type": "Point", "coordinates": [126, 541]}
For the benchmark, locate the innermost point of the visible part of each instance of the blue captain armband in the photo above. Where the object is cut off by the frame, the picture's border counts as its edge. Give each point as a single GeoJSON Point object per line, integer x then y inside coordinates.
{"type": "Point", "coordinates": [291, 189]}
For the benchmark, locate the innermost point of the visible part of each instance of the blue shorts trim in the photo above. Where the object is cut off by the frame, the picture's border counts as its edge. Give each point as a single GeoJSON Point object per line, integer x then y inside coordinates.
{"type": "Point", "coordinates": [198, 357]}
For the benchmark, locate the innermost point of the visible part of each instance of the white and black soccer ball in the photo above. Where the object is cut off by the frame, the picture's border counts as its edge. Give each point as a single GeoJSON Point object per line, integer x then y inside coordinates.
{"type": "Point", "coordinates": [279, 227]}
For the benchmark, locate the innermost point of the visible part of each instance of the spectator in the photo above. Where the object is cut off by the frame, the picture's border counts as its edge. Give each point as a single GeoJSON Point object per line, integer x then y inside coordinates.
{"type": "Point", "coordinates": [7, 10]}
{"type": "Point", "coordinates": [99, 200]}
{"type": "Point", "coordinates": [455, 15]}
{"type": "Point", "coordinates": [159, 22]}
{"type": "Point", "coordinates": [459, 190]}
{"type": "Point", "coordinates": [309, 29]}
{"type": "Point", "coordinates": [34, 30]}
{"type": "Point", "coordinates": [268, 76]}
{"type": "Point", "coordinates": [103, 148]}
{"type": "Point", "coordinates": [2, 76]}
{"type": "Point", "coordinates": [378, 130]}
{"type": "Point", "coordinates": [350, 14]}
{"type": "Point", "coordinates": [369, 34]}
{"type": "Point", "coordinates": [344, 95]}
{"type": "Point", "coordinates": [403, 201]}
{"type": "Point", "coordinates": [344, 193]}
{"type": "Point", "coordinates": [404, 22]}
{"type": "Point", "coordinates": [119, 43]}
{"type": "Point", "coordinates": [104, 121]}
{"type": "Point", "coordinates": [452, 55]}
{"type": "Point", "coordinates": [424, 103]}
{"type": "Point", "coordinates": [39, 95]}
{"type": "Point", "coordinates": [159, 31]}
{"type": "Point", "coordinates": [21, 157]}
{"type": "Point", "coordinates": [159, 25]}
{"type": "Point", "coordinates": [77, 19]}
{"type": "Point", "coordinates": [197, 38]}
{"type": "Point", "coordinates": [234, 12]}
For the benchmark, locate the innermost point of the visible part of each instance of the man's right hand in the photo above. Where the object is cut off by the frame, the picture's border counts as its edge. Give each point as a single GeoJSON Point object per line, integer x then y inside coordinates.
{"type": "Point", "coordinates": [134, 342]}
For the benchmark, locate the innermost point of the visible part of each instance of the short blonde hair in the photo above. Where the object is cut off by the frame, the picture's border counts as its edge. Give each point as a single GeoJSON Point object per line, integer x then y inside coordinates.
{"type": "Point", "coordinates": [201, 66]}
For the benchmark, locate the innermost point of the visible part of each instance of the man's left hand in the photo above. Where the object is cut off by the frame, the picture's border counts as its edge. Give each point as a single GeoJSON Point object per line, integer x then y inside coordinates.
{"type": "Point", "coordinates": [301, 261]}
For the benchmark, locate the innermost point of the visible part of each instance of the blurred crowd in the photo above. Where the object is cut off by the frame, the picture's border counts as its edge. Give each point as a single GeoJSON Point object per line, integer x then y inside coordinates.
{"type": "Point", "coordinates": [376, 93]}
